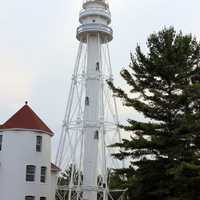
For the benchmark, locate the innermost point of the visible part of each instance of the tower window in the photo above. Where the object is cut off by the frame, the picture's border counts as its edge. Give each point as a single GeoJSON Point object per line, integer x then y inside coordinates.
{"type": "Point", "coordinates": [29, 198]}
{"type": "Point", "coordinates": [87, 102]}
{"type": "Point", "coordinates": [97, 66]}
{"type": "Point", "coordinates": [1, 140]}
{"type": "Point", "coordinates": [43, 174]}
{"type": "Point", "coordinates": [30, 173]}
{"type": "Point", "coordinates": [96, 135]}
{"type": "Point", "coordinates": [43, 198]}
{"type": "Point", "coordinates": [39, 143]}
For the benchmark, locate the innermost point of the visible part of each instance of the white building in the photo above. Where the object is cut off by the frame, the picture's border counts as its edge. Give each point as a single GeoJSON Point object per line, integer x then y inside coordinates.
{"type": "Point", "coordinates": [26, 171]}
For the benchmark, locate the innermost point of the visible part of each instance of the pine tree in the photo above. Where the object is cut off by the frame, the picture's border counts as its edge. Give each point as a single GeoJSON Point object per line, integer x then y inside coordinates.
{"type": "Point", "coordinates": [164, 151]}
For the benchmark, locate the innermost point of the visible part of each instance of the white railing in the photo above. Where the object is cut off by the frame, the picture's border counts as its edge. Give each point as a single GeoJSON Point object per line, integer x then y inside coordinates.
{"type": "Point", "coordinates": [84, 1]}
{"type": "Point", "coordinates": [95, 11]}
{"type": "Point", "coordinates": [94, 27]}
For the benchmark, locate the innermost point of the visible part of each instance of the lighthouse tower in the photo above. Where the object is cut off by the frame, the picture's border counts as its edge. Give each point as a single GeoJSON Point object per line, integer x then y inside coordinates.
{"type": "Point", "coordinates": [94, 30]}
{"type": "Point", "coordinates": [91, 119]}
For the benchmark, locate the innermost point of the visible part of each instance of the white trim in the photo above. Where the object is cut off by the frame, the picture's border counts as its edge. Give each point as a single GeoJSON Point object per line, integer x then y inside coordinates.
{"type": "Point", "coordinates": [24, 129]}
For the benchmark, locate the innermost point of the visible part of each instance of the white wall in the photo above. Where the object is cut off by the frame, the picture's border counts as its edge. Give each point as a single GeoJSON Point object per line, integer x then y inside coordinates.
{"type": "Point", "coordinates": [54, 176]}
{"type": "Point", "coordinates": [19, 150]}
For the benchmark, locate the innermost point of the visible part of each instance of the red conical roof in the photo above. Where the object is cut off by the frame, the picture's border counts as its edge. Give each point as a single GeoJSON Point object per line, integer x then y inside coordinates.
{"type": "Point", "coordinates": [26, 118]}
{"type": "Point", "coordinates": [54, 168]}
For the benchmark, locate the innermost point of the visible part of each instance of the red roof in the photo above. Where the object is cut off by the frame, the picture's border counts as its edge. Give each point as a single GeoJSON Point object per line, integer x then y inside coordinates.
{"type": "Point", "coordinates": [54, 168]}
{"type": "Point", "coordinates": [26, 118]}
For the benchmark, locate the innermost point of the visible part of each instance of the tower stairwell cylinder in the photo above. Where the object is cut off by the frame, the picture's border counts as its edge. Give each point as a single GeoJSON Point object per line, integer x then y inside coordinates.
{"type": "Point", "coordinates": [91, 119]}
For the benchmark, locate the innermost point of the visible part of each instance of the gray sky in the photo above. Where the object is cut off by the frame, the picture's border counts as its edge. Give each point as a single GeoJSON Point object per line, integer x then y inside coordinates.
{"type": "Point", "coordinates": [38, 47]}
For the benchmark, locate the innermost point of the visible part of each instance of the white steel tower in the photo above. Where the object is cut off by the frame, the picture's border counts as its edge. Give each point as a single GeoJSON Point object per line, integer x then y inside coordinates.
{"type": "Point", "coordinates": [91, 119]}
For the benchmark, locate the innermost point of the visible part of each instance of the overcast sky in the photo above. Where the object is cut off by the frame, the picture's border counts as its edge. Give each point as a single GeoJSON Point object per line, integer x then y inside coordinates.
{"type": "Point", "coordinates": [38, 47]}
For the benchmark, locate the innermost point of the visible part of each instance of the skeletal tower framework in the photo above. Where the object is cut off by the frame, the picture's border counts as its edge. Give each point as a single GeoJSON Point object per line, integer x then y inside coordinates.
{"type": "Point", "coordinates": [90, 123]}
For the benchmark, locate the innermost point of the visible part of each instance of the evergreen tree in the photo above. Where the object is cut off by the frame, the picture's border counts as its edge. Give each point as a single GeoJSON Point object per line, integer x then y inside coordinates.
{"type": "Point", "coordinates": [164, 151]}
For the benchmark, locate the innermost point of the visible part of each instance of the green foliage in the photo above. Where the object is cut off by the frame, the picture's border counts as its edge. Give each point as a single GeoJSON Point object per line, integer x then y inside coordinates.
{"type": "Point", "coordinates": [165, 87]}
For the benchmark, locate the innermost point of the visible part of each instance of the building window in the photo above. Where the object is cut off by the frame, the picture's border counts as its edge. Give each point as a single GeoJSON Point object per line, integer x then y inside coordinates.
{"type": "Point", "coordinates": [39, 143]}
{"type": "Point", "coordinates": [43, 198]}
{"type": "Point", "coordinates": [1, 140]}
{"type": "Point", "coordinates": [43, 174]}
{"type": "Point", "coordinates": [29, 198]}
{"type": "Point", "coordinates": [30, 173]}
